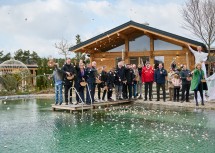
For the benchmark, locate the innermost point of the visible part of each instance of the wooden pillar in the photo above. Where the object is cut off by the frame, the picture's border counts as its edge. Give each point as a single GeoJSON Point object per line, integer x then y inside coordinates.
{"type": "Point", "coordinates": [151, 57]}
{"type": "Point", "coordinates": [126, 50]}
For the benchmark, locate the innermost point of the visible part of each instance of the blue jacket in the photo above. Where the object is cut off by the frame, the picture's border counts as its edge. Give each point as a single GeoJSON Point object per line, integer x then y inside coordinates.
{"type": "Point", "coordinates": [160, 76]}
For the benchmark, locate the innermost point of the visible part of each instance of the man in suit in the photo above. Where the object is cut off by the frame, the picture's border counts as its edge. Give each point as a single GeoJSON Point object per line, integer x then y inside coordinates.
{"type": "Point", "coordinates": [160, 79]}
{"type": "Point", "coordinates": [91, 73]}
{"type": "Point", "coordinates": [68, 72]}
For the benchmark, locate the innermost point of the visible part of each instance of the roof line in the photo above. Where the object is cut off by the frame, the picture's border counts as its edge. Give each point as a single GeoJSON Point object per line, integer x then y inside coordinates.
{"type": "Point", "coordinates": [132, 23]}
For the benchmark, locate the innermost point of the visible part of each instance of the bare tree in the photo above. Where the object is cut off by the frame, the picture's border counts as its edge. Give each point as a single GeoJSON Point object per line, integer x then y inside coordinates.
{"type": "Point", "coordinates": [199, 18]}
{"type": "Point", "coordinates": [63, 47]}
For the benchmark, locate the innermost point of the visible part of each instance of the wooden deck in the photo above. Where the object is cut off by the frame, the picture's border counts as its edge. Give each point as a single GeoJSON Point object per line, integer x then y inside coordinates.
{"type": "Point", "coordinates": [78, 107]}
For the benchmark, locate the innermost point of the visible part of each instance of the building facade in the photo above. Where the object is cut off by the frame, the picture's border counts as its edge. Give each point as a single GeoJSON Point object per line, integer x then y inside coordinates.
{"type": "Point", "coordinates": [137, 43]}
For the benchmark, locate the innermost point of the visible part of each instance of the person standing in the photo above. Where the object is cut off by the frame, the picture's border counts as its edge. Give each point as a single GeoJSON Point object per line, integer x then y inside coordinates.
{"type": "Point", "coordinates": [80, 77]}
{"type": "Point", "coordinates": [147, 79]}
{"type": "Point", "coordinates": [170, 85]}
{"type": "Point", "coordinates": [135, 80]}
{"type": "Point", "coordinates": [176, 81]}
{"type": "Point", "coordinates": [69, 73]}
{"type": "Point", "coordinates": [129, 75]}
{"type": "Point", "coordinates": [110, 83]}
{"type": "Point", "coordinates": [103, 84]}
{"type": "Point", "coordinates": [196, 82]}
{"type": "Point", "coordinates": [200, 57]}
{"type": "Point", "coordinates": [58, 82]}
{"type": "Point", "coordinates": [91, 74]}
{"type": "Point", "coordinates": [186, 77]}
{"type": "Point", "coordinates": [160, 79]}
{"type": "Point", "coordinates": [119, 79]}
{"type": "Point", "coordinates": [139, 83]}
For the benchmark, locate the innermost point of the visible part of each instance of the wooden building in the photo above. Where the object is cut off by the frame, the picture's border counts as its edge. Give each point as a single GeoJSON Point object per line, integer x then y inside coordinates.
{"type": "Point", "coordinates": [137, 43]}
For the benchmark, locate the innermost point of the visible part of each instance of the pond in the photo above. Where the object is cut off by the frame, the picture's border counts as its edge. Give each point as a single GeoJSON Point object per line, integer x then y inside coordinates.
{"type": "Point", "coordinates": [29, 125]}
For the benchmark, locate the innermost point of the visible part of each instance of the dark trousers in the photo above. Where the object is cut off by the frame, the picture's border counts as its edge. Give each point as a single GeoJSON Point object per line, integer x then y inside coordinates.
{"type": "Point", "coordinates": [185, 88]}
{"type": "Point", "coordinates": [109, 94]}
{"type": "Point", "coordinates": [199, 88]}
{"type": "Point", "coordinates": [161, 85]}
{"type": "Point", "coordinates": [99, 92]}
{"type": "Point", "coordinates": [127, 90]}
{"type": "Point", "coordinates": [91, 92]}
{"type": "Point", "coordinates": [124, 91]}
{"type": "Point", "coordinates": [148, 88]}
{"type": "Point", "coordinates": [176, 93]}
{"type": "Point", "coordinates": [66, 90]}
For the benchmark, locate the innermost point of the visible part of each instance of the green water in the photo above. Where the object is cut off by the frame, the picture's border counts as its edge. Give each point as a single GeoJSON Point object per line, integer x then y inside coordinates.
{"type": "Point", "coordinates": [31, 126]}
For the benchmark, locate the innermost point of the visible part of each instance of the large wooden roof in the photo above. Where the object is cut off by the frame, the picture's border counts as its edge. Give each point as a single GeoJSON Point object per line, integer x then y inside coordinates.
{"type": "Point", "coordinates": [130, 30]}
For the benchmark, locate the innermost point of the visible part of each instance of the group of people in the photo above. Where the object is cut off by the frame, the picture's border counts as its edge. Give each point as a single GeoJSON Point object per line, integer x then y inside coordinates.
{"type": "Point", "coordinates": [127, 81]}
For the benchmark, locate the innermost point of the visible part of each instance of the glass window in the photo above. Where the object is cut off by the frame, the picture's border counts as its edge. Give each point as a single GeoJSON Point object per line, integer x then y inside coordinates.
{"type": "Point", "coordinates": [118, 49]}
{"type": "Point", "coordinates": [134, 60]}
{"type": "Point", "coordinates": [140, 44]}
{"type": "Point", "coordinates": [158, 59]}
{"type": "Point", "coordinates": [162, 45]}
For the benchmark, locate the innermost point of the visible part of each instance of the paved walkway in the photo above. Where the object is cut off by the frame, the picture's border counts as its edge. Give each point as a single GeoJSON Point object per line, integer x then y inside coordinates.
{"type": "Point", "coordinates": [208, 105]}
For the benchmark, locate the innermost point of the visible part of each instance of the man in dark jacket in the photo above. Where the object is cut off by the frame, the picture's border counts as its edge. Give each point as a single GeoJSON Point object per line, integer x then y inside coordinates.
{"type": "Point", "coordinates": [160, 79]}
{"type": "Point", "coordinates": [185, 76]}
{"type": "Point", "coordinates": [119, 79]}
{"type": "Point", "coordinates": [103, 85]}
{"type": "Point", "coordinates": [80, 77]}
{"type": "Point", "coordinates": [129, 75]}
{"type": "Point", "coordinates": [91, 73]}
{"type": "Point", "coordinates": [68, 72]}
{"type": "Point", "coordinates": [110, 83]}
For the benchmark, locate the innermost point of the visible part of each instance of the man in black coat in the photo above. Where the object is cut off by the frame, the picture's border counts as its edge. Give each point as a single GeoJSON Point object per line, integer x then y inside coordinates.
{"type": "Point", "coordinates": [160, 79]}
{"type": "Point", "coordinates": [127, 86]}
{"type": "Point", "coordinates": [185, 76]}
{"type": "Point", "coordinates": [68, 72]}
{"type": "Point", "coordinates": [91, 74]}
{"type": "Point", "coordinates": [119, 79]}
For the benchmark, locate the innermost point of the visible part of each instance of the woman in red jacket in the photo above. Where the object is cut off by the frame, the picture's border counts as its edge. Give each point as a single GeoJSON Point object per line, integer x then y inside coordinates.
{"type": "Point", "coordinates": [148, 79]}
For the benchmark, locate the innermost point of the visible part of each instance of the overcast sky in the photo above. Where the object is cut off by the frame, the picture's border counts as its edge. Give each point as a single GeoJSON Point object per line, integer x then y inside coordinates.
{"type": "Point", "coordinates": [36, 25]}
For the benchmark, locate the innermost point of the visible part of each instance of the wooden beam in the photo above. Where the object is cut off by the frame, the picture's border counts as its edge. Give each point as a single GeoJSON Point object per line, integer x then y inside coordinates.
{"type": "Point", "coordinates": [151, 57]}
{"type": "Point", "coordinates": [104, 37]}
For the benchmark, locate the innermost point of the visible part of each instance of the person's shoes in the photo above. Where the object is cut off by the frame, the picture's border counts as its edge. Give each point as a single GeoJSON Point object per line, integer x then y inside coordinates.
{"type": "Point", "coordinates": [158, 100]}
{"type": "Point", "coordinates": [203, 104]}
{"type": "Point", "coordinates": [182, 101]}
{"type": "Point", "coordinates": [60, 103]}
{"type": "Point", "coordinates": [56, 103]}
{"type": "Point", "coordinates": [129, 99]}
{"type": "Point", "coordinates": [197, 104]}
{"type": "Point", "coordinates": [66, 103]}
{"type": "Point", "coordinates": [150, 99]}
{"type": "Point", "coordinates": [187, 101]}
{"type": "Point", "coordinates": [145, 99]}
{"type": "Point", "coordinates": [164, 100]}
{"type": "Point", "coordinates": [120, 99]}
